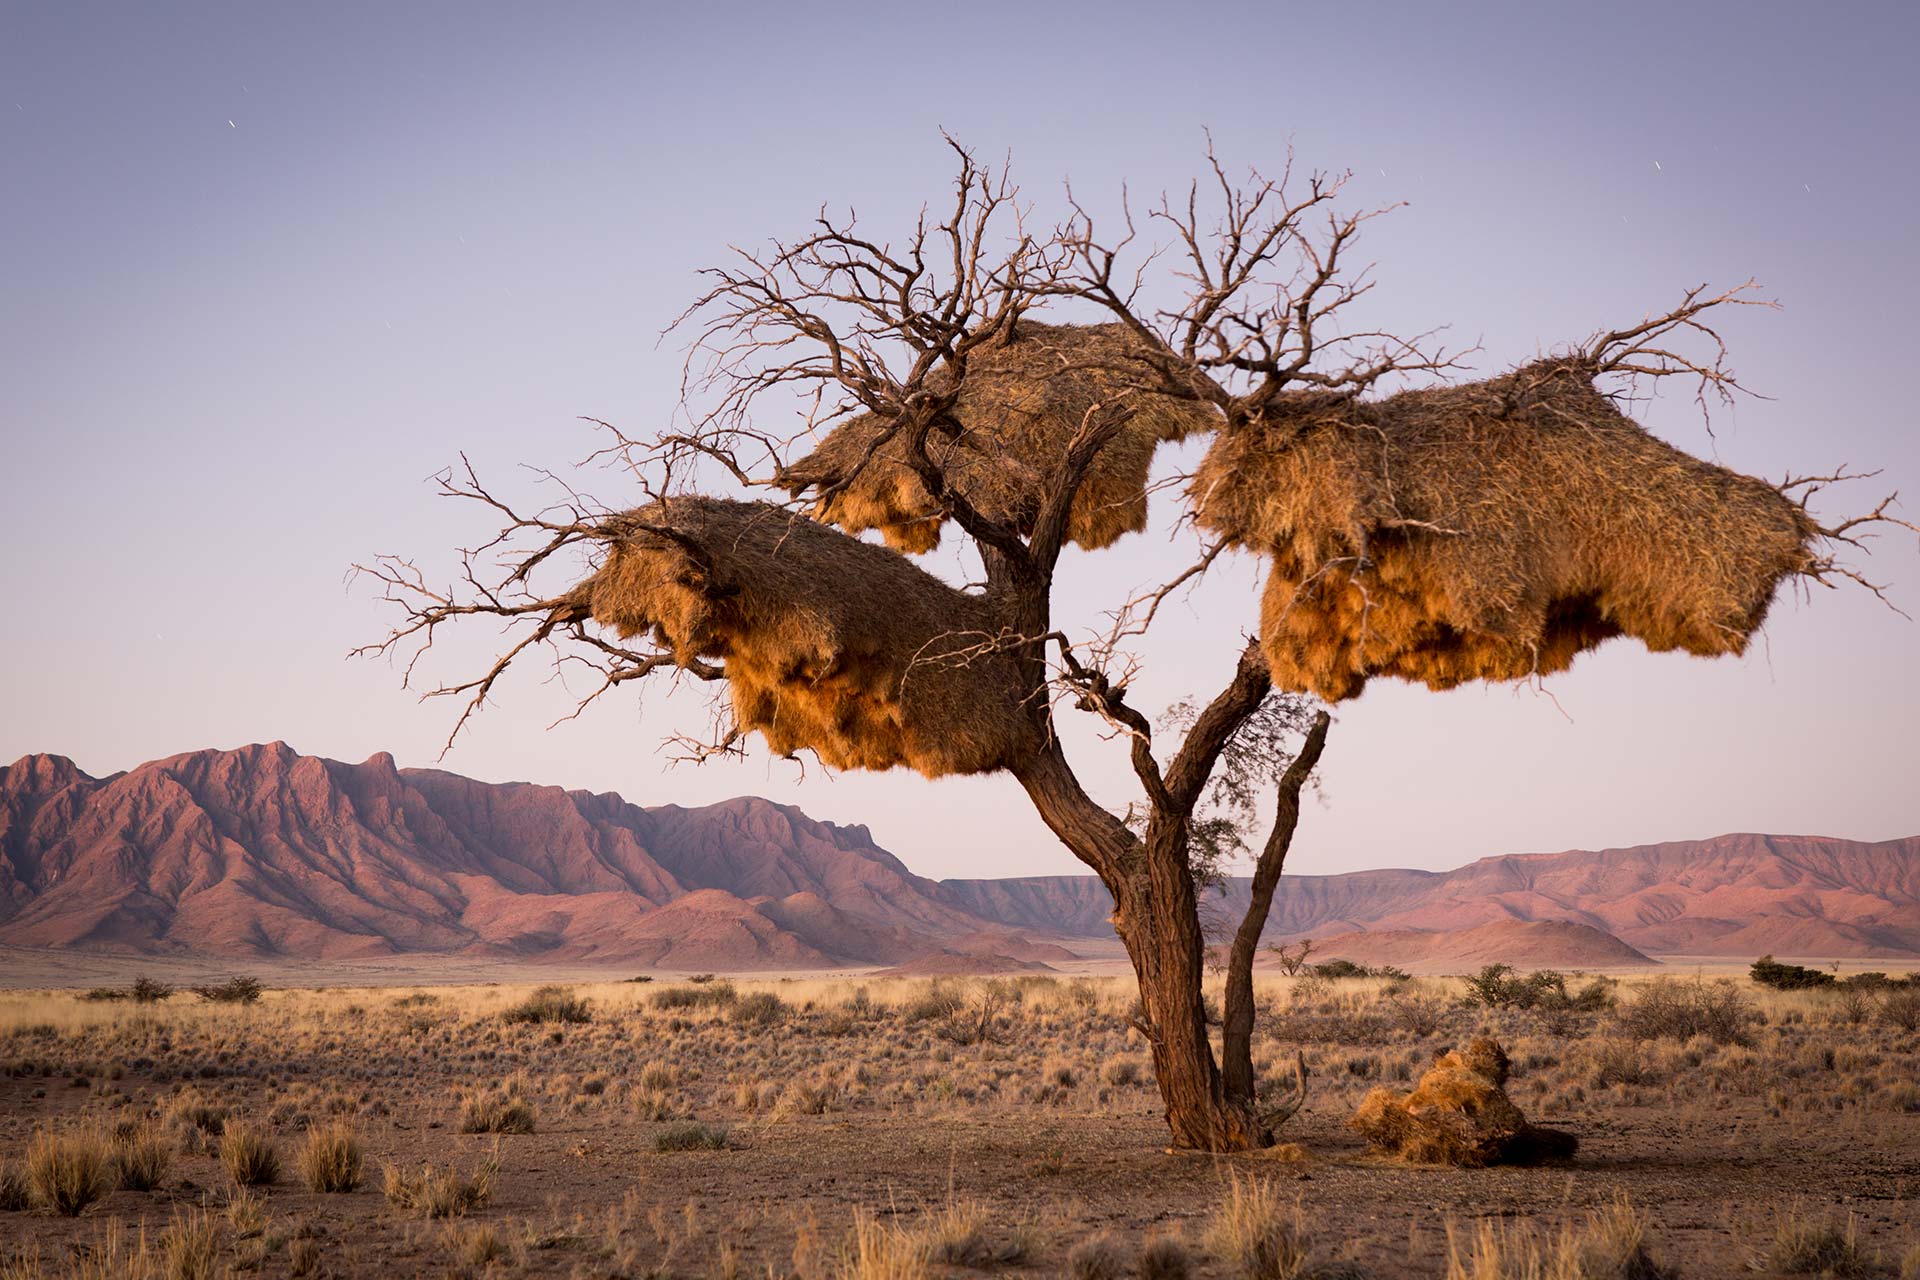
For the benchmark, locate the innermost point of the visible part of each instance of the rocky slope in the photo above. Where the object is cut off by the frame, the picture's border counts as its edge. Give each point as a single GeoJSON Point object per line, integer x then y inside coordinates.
{"type": "Point", "coordinates": [1734, 895]}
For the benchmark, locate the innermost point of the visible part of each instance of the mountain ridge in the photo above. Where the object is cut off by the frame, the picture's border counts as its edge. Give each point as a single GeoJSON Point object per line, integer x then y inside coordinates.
{"type": "Point", "coordinates": [261, 851]}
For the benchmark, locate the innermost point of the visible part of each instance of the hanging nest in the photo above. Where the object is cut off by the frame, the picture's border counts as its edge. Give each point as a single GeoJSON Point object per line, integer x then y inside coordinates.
{"type": "Point", "coordinates": [1018, 408]}
{"type": "Point", "coordinates": [828, 644]}
{"type": "Point", "coordinates": [1490, 531]}
{"type": "Point", "coordinates": [1458, 1114]}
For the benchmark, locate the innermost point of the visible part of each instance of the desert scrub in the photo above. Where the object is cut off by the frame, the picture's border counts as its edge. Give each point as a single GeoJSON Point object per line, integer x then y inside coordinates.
{"type": "Point", "coordinates": [707, 995]}
{"type": "Point", "coordinates": [503, 1109]}
{"type": "Point", "coordinates": [1165, 1258]}
{"type": "Point", "coordinates": [1098, 1257]}
{"type": "Point", "coordinates": [761, 1009]}
{"type": "Point", "coordinates": [441, 1193]}
{"type": "Point", "coordinates": [140, 1159]}
{"type": "Point", "coordinates": [190, 1247]}
{"type": "Point", "coordinates": [248, 1155]}
{"type": "Point", "coordinates": [235, 990]}
{"type": "Point", "coordinates": [1672, 1009]}
{"type": "Point", "coordinates": [1804, 1246]}
{"type": "Point", "coordinates": [549, 1004]}
{"type": "Point", "coordinates": [692, 1136]}
{"type": "Point", "coordinates": [69, 1171]}
{"type": "Point", "coordinates": [1258, 1237]}
{"type": "Point", "coordinates": [330, 1160]}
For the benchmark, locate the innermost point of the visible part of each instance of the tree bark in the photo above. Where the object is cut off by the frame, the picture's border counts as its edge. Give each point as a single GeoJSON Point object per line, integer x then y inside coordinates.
{"type": "Point", "coordinates": [1236, 1038]}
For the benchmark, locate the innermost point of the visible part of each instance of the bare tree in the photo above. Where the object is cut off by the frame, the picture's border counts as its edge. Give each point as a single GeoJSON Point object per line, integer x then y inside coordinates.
{"type": "Point", "coordinates": [852, 325]}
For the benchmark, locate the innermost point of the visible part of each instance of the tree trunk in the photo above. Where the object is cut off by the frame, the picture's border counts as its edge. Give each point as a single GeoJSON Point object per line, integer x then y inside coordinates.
{"type": "Point", "coordinates": [1156, 917]}
{"type": "Point", "coordinates": [1236, 1037]}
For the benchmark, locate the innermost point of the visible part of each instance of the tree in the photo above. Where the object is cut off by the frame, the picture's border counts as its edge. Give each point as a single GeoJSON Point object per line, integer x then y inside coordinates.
{"type": "Point", "coordinates": [945, 399]}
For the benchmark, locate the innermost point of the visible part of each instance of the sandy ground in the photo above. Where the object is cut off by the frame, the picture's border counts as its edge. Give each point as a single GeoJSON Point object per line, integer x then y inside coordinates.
{"type": "Point", "coordinates": [845, 1107]}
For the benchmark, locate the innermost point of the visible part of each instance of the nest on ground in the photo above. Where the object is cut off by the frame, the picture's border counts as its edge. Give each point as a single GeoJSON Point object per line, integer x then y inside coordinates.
{"type": "Point", "coordinates": [828, 644]}
{"type": "Point", "coordinates": [1016, 411]}
{"type": "Point", "coordinates": [1459, 1114]}
{"type": "Point", "coordinates": [1490, 531]}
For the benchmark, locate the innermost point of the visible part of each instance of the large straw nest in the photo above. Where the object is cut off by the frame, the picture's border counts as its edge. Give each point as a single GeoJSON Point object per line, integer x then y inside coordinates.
{"type": "Point", "coordinates": [1018, 408]}
{"type": "Point", "coordinates": [1489, 531]}
{"type": "Point", "coordinates": [1458, 1114]}
{"type": "Point", "coordinates": [828, 644]}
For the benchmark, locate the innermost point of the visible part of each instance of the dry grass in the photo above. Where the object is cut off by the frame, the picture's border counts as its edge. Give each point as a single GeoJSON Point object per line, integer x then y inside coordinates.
{"type": "Point", "coordinates": [140, 1158]}
{"type": "Point", "coordinates": [434, 1192]}
{"type": "Point", "coordinates": [69, 1171]}
{"type": "Point", "coordinates": [829, 644]}
{"type": "Point", "coordinates": [330, 1160]}
{"type": "Point", "coordinates": [1609, 1244]}
{"type": "Point", "coordinates": [1491, 531]}
{"type": "Point", "coordinates": [248, 1154]}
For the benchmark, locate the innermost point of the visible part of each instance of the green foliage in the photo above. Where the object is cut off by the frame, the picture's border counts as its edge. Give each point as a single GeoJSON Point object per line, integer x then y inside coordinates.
{"type": "Point", "coordinates": [235, 990]}
{"type": "Point", "coordinates": [1348, 969]}
{"type": "Point", "coordinates": [146, 990]}
{"type": "Point", "coordinates": [1769, 972]}
{"type": "Point", "coordinates": [1546, 991]}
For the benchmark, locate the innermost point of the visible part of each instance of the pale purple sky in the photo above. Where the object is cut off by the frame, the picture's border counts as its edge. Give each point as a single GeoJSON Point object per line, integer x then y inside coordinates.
{"type": "Point", "coordinates": [265, 269]}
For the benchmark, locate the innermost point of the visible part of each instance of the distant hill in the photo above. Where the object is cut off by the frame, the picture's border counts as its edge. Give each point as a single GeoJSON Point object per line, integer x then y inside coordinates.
{"type": "Point", "coordinates": [262, 852]}
{"type": "Point", "coordinates": [1549, 944]}
{"type": "Point", "coordinates": [1734, 895]}
{"type": "Point", "coordinates": [265, 852]}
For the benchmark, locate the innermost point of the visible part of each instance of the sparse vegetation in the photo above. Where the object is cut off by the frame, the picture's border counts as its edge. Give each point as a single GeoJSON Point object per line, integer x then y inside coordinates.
{"type": "Point", "coordinates": [248, 1155]}
{"type": "Point", "coordinates": [140, 1158]}
{"type": "Point", "coordinates": [330, 1159]}
{"type": "Point", "coordinates": [433, 1192]}
{"type": "Point", "coordinates": [69, 1171]}
{"type": "Point", "coordinates": [235, 990]}
{"type": "Point", "coordinates": [1676, 1009]}
{"type": "Point", "coordinates": [691, 1136]}
{"type": "Point", "coordinates": [550, 1004]}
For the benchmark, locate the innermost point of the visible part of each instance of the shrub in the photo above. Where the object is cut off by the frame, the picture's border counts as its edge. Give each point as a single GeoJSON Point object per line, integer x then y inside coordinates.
{"type": "Point", "coordinates": [1674, 1010]}
{"type": "Point", "coordinates": [711, 996]}
{"type": "Point", "coordinates": [691, 1136]}
{"type": "Point", "coordinates": [1099, 1257]}
{"type": "Point", "coordinates": [140, 1159]}
{"type": "Point", "coordinates": [441, 1193]}
{"type": "Point", "coordinates": [247, 1152]}
{"type": "Point", "coordinates": [146, 990]}
{"type": "Point", "coordinates": [69, 1171]}
{"type": "Point", "coordinates": [105, 993]}
{"type": "Point", "coordinates": [235, 990]}
{"type": "Point", "coordinates": [761, 1009]}
{"type": "Point", "coordinates": [13, 1190]}
{"type": "Point", "coordinates": [1769, 972]}
{"type": "Point", "coordinates": [500, 1110]}
{"type": "Point", "coordinates": [330, 1160]}
{"type": "Point", "coordinates": [549, 1004]}
{"type": "Point", "coordinates": [1902, 1008]}
{"type": "Point", "coordinates": [1255, 1236]}
{"type": "Point", "coordinates": [1802, 1246]}
{"type": "Point", "coordinates": [1165, 1258]}
{"type": "Point", "coordinates": [190, 1247]}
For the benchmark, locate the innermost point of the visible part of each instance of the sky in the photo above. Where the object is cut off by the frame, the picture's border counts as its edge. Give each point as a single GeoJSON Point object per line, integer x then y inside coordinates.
{"type": "Point", "coordinates": [265, 269]}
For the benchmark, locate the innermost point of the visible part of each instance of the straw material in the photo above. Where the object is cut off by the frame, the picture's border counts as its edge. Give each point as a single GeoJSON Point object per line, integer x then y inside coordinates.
{"type": "Point", "coordinates": [1018, 408]}
{"type": "Point", "coordinates": [828, 643]}
{"type": "Point", "coordinates": [1490, 531]}
{"type": "Point", "coordinates": [1458, 1114]}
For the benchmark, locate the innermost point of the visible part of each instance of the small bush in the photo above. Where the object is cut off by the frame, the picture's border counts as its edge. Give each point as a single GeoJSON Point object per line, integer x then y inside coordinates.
{"type": "Point", "coordinates": [1769, 972]}
{"type": "Point", "coordinates": [69, 1171]}
{"type": "Point", "coordinates": [1802, 1246]}
{"type": "Point", "coordinates": [500, 1110]}
{"type": "Point", "coordinates": [14, 1195]}
{"type": "Point", "coordinates": [691, 1136]}
{"type": "Point", "coordinates": [190, 1247]}
{"type": "Point", "coordinates": [146, 990]}
{"type": "Point", "coordinates": [712, 996]}
{"type": "Point", "coordinates": [1669, 1009]}
{"type": "Point", "coordinates": [1337, 969]}
{"type": "Point", "coordinates": [1902, 1008]}
{"type": "Point", "coordinates": [140, 1159]}
{"type": "Point", "coordinates": [549, 1004]}
{"type": "Point", "coordinates": [330, 1160]}
{"type": "Point", "coordinates": [1099, 1257]}
{"type": "Point", "coordinates": [248, 1155]}
{"type": "Point", "coordinates": [441, 1193]}
{"type": "Point", "coordinates": [105, 993]}
{"type": "Point", "coordinates": [1165, 1258]}
{"type": "Point", "coordinates": [235, 990]}
{"type": "Point", "coordinates": [761, 1009]}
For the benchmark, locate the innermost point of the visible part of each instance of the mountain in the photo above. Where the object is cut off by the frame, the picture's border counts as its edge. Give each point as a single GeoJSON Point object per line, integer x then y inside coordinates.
{"type": "Point", "coordinates": [1734, 895]}
{"type": "Point", "coordinates": [265, 852]}
{"type": "Point", "coordinates": [1550, 944]}
{"type": "Point", "coordinates": [262, 852]}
